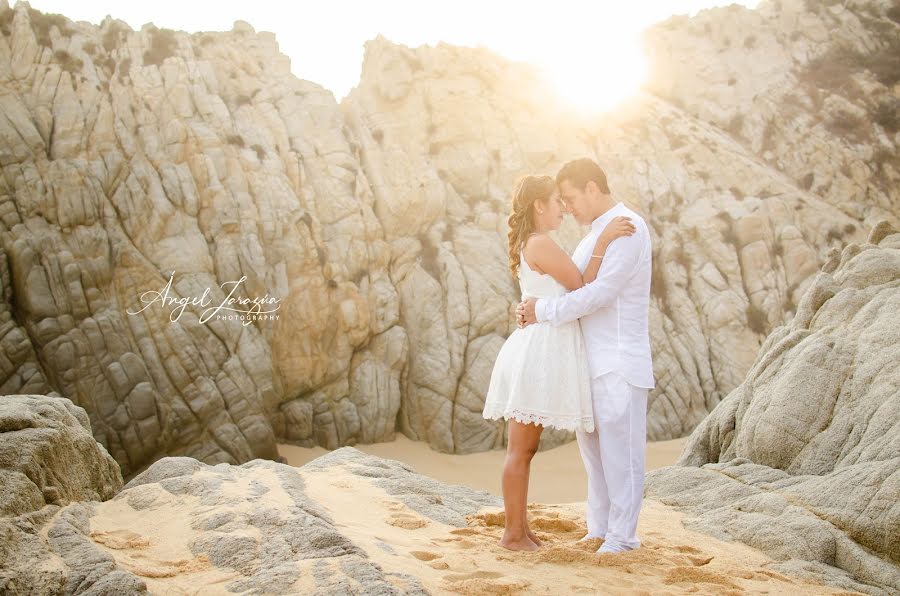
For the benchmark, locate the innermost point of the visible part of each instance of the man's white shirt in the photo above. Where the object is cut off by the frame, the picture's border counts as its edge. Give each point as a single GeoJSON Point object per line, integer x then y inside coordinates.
{"type": "Point", "coordinates": [614, 308]}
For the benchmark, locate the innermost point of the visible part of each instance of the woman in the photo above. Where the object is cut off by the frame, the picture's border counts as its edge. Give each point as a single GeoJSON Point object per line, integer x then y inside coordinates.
{"type": "Point", "coordinates": [541, 376]}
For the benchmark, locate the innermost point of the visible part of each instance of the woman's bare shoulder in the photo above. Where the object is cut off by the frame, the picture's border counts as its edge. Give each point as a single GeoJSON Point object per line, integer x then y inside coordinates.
{"type": "Point", "coordinates": [537, 246]}
{"type": "Point", "coordinates": [537, 242]}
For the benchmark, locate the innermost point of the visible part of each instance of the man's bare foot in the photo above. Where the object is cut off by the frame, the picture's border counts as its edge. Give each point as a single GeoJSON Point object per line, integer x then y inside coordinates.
{"type": "Point", "coordinates": [523, 543]}
{"type": "Point", "coordinates": [532, 537]}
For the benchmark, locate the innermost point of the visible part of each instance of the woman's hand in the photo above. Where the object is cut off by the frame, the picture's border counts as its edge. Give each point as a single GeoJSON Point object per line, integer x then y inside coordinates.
{"type": "Point", "coordinates": [618, 227]}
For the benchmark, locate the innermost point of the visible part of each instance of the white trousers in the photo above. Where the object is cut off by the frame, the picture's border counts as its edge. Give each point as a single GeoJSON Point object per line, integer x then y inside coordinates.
{"type": "Point", "coordinates": [613, 456]}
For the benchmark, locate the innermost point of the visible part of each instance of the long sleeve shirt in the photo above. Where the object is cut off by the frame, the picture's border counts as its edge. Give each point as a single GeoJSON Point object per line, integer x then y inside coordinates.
{"type": "Point", "coordinates": [613, 310]}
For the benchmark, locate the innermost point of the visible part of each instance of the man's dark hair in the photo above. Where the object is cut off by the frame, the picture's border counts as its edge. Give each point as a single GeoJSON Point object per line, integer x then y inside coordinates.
{"type": "Point", "coordinates": [581, 171]}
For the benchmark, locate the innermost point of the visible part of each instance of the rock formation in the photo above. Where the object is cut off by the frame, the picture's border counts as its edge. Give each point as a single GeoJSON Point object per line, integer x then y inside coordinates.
{"type": "Point", "coordinates": [48, 460]}
{"type": "Point", "coordinates": [809, 86]}
{"type": "Point", "coordinates": [802, 460]}
{"type": "Point", "coordinates": [182, 526]}
{"type": "Point", "coordinates": [129, 158]}
{"type": "Point", "coordinates": [253, 522]}
{"type": "Point", "coordinates": [49, 457]}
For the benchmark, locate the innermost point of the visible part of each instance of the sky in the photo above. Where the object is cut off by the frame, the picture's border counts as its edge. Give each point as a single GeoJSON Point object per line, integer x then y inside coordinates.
{"type": "Point", "coordinates": [324, 38]}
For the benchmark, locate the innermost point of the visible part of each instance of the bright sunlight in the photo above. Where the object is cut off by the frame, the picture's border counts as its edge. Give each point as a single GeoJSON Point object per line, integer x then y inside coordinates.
{"type": "Point", "coordinates": [589, 51]}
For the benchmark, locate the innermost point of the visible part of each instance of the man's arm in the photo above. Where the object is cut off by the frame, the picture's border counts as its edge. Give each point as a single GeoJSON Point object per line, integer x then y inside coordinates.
{"type": "Point", "coordinates": [620, 261]}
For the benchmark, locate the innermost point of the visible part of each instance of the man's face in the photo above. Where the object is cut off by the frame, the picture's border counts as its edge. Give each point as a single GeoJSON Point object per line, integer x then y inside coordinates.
{"type": "Point", "coordinates": [576, 201]}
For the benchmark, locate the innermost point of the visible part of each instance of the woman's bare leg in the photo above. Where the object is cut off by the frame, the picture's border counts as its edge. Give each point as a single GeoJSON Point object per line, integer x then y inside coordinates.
{"type": "Point", "coordinates": [528, 531]}
{"type": "Point", "coordinates": [521, 447]}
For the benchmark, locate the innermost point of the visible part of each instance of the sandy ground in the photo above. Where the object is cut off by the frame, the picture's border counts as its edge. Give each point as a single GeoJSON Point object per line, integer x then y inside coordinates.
{"type": "Point", "coordinates": [153, 540]}
{"type": "Point", "coordinates": [448, 560]}
{"type": "Point", "coordinates": [557, 475]}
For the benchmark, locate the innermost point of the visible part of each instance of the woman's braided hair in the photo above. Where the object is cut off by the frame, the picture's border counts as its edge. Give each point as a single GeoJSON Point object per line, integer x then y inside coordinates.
{"type": "Point", "coordinates": [528, 190]}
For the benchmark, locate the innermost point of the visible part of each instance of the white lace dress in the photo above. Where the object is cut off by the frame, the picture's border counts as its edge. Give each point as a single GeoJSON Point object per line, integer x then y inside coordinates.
{"type": "Point", "coordinates": [541, 373]}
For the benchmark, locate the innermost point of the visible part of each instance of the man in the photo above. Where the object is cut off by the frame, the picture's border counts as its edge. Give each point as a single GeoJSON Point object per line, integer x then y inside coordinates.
{"type": "Point", "coordinates": [613, 312]}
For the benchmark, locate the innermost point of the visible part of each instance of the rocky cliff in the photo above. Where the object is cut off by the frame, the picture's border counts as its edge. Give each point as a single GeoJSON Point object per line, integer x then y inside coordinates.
{"type": "Point", "coordinates": [132, 157]}
{"type": "Point", "coordinates": [802, 460]}
{"type": "Point", "coordinates": [811, 87]}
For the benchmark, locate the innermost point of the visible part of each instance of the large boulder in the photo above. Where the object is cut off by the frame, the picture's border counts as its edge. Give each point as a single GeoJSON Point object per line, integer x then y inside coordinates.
{"type": "Point", "coordinates": [48, 461]}
{"type": "Point", "coordinates": [182, 525]}
{"type": "Point", "coordinates": [49, 457]}
{"type": "Point", "coordinates": [802, 460]}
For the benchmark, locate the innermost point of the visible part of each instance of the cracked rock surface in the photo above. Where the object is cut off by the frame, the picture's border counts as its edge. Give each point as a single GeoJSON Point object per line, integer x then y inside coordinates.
{"type": "Point", "coordinates": [182, 525]}
{"type": "Point", "coordinates": [129, 158]}
{"type": "Point", "coordinates": [802, 459]}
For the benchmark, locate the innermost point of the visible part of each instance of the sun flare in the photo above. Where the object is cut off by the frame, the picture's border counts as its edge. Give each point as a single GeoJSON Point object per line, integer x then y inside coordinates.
{"type": "Point", "coordinates": [590, 52]}
{"type": "Point", "coordinates": [597, 82]}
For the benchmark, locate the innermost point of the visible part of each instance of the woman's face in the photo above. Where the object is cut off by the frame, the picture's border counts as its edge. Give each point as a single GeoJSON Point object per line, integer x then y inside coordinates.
{"type": "Point", "coordinates": [553, 211]}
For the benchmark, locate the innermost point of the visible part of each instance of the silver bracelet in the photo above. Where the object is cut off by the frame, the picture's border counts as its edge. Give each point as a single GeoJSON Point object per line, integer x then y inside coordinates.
{"type": "Point", "coordinates": [596, 256]}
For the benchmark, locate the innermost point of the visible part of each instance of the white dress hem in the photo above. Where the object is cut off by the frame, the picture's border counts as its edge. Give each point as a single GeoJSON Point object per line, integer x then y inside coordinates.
{"type": "Point", "coordinates": [570, 423]}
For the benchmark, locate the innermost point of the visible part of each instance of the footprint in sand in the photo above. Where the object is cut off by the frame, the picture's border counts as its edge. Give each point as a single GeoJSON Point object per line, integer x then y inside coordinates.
{"type": "Point", "coordinates": [700, 561]}
{"type": "Point", "coordinates": [163, 568]}
{"type": "Point", "coordinates": [120, 539]}
{"type": "Point", "coordinates": [555, 525]}
{"type": "Point", "coordinates": [583, 589]}
{"type": "Point", "coordinates": [423, 555]}
{"type": "Point", "coordinates": [540, 518]}
{"type": "Point", "coordinates": [489, 519]}
{"type": "Point", "coordinates": [461, 542]}
{"type": "Point", "coordinates": [406, 521]}
{"type": "Point", "coordinates": [694, 575]}
{"type": "Point", "coordinates": [474, 575]}
{"type": "Point", "coordinates": [541, 510]}
{"type": "Point", "coordinates": [687, 549]}
{"type": "Point", "coordinates": [589, 544]}
{"type": "Point", "coordinates": [485, 582]}
{"type": "Point", "coordinates": [156, 568]}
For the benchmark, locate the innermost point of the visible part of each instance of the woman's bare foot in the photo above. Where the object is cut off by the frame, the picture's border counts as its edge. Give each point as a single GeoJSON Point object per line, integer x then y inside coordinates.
{"type": "Point", "coordinates": [523, 543]}
{"type": "Point", "coordinates": [532, 537]}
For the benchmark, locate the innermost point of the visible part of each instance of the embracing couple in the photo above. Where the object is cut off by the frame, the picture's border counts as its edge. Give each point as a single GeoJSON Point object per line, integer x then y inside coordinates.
{"type": "Point", "coordinates": [580, 357]}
